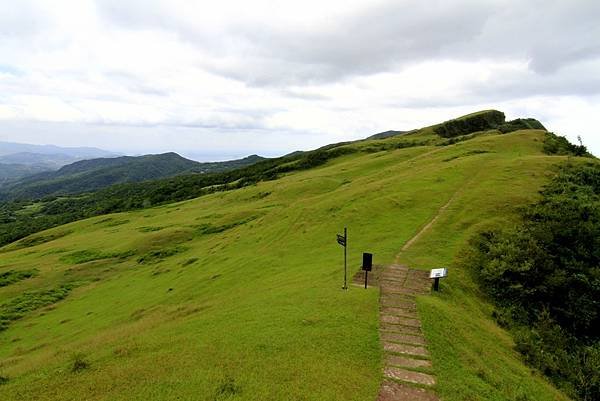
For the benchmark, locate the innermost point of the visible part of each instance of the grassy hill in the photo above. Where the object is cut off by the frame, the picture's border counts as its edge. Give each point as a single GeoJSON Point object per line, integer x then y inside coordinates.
{"type": "Point", "coordinates": [236, 295]}
{"type": "Point", "coordinates": [94, 174]}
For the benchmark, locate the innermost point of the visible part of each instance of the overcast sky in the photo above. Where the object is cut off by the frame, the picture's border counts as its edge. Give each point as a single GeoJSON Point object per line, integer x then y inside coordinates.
{"type": "Point", "coordinates": [222, 79]}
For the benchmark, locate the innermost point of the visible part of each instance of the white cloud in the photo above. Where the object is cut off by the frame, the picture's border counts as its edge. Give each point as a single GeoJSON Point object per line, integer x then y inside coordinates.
{"type": "Point", "coordinates": [236, 77]}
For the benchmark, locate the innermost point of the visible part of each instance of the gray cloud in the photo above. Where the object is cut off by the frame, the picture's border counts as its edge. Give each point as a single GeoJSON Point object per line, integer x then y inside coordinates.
{"type": "Point", "coordinates": [383, 37]}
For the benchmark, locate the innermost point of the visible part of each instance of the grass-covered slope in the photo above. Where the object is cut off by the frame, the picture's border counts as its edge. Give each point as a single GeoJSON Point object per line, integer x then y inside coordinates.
{"type": "Point", "coordinates": [237, 295]}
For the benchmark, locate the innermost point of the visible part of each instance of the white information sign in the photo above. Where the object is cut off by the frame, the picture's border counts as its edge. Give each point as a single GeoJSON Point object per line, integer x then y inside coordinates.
{"type": "Point", "coordinates": [438, 273]}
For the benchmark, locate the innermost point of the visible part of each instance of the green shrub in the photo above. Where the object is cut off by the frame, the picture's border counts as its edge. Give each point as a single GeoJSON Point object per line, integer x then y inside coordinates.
{"type": "Point", "coordinates": [519, 124]}
{"type": "Point", "coordinates": [89, 255]}
{"type": "Point", "coordinates": [158, 255]}
{"type": "Point", "coordinates": [13, 276]}
{"type": "Point", "coordinates": [481, 121]}
{"type": "Point", "coordinates": [226, 389]}
{"type": "Point", "coordinates": [79, 363]}
{"type": "Point", "coordinates": [559, 145]}
{"type": "Point", "coordinates": [544, 276]}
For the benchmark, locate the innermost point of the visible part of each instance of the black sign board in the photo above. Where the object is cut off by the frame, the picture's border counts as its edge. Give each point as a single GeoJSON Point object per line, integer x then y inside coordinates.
{"type": "Point", "coordinates": [367, 264]}
{"type": "Point", "coordinates": [343, 241]}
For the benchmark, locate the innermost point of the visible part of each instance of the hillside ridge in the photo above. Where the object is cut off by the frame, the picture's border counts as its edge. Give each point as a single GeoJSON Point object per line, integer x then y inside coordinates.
{"type": "Point", "coordinates": [95, 174]}
{"type": "Point", "coordinates": [232, 289]}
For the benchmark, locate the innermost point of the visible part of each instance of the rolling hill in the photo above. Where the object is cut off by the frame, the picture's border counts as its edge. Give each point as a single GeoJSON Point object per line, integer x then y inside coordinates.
{"type": "Point", "coordinates": [94, 174]}
{"type": "Point", "coordinates": [236, 294]}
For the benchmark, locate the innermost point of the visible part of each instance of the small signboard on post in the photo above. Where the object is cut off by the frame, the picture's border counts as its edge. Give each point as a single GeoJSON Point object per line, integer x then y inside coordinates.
{"type": "Point", "coordinates": [367, 265]}
{"type": "Point", "coordinates": [343, 241]}
{"type": "Point", "coordinates": [436, 275]}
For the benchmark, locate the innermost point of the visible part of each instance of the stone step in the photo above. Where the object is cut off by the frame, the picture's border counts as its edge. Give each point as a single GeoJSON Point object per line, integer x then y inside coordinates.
{"type": "Point", "coordinates": [400, 329]}
{"type": "Point", "coordinates": [409, 376]}
{"type": "Point", "coordinates": [392, 391]}
{"type": "Point", "coordinates": [394, 302]}
{"type": "Point", "coordinates": [392, 273]}
{"type": "Point", "coordinates": [406, 312]}
{"type": "Point", "coordinates": [403, 338]}
{"type": "Point", "coordinates": [398, 296]}
{"type": "Point", "coordinates": [393, 280]}
{"type": "Point", "coordinates": [420, 284]}
{"type": "Point", "coordinates": [387, 289]}
{"type": "Point", "coordinates": [398, 274]}
{"type": "Point", "coordinates": [405, 349]}
{"type": "Point", "coordinates": [397, 360]}
{"type": "Point", "coordinates": [405, 321]}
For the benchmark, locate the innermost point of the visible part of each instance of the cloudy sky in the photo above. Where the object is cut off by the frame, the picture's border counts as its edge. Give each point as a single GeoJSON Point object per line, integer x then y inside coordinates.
{"type": "Point", "coordinates": [221, 79]}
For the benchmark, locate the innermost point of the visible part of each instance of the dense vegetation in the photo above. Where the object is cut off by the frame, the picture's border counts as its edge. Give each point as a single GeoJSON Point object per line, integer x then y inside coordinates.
{"type": "Point", "coordinates": [559, 145]}
{"type": "Point", "coordinates": [544, 276]}
{"type": "Point", "coordinates": [13, 276]}
{"type": "Point", "coordinates": [92, 175]}
{"type": "Point", "coordinates": [468, 124]}
{"type": "Point", "coordinates": [14, 171]}
{"type": "Point", "coordinates": [484, 121]}
{"type": "Point", "coordinates": [520, 123]}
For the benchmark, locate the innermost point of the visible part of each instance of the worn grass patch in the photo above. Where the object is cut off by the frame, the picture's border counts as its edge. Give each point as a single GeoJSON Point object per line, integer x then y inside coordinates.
{"type": "Point", "coordinates": [150, 229]}
{"type": "Point", "coordinates": [158, 255]}
{"type": "Point", "coordinates": [116, 223]}
{"type": "Point", "coordinates": [88, 255]}
{"type": "Point", "coordinates": [466, 154]}
{"type": "Point", "coordinates": [190, 261]}
{"type": "Point", "coordinates": [37, 239]}
{"type": "Point", "coordinates": [209, 228]}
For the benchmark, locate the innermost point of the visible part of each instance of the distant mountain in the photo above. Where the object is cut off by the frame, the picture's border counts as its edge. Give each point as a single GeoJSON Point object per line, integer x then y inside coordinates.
{"type": "Point", "coordinates": [18, 160]}
{"type": "Point", "coordinates": [12, 171]}
{"type": "Point", "coordinates": [95, 174]}
{"type": "Point", "coordinates": [45, 161]}
{"type": "Point", "coordinates": [8, 148]}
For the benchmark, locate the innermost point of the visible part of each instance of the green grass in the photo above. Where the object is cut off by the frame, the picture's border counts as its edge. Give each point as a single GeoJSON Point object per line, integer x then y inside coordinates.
{"type": "Point", "coordinates": [238, 295]}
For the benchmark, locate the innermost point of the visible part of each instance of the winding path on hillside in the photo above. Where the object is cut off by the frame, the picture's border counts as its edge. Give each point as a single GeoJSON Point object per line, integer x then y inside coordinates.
{"type": "Point", "coordinates": [407, 367]}
{"type": "Point", "coordinates": [427, 226]}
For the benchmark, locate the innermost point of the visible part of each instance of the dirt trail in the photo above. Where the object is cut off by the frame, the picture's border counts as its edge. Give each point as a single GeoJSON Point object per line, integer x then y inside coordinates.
{"type": "Point", "coordinates": [427, 226]}
{"type": "Point", "coordinates": [407, 368]}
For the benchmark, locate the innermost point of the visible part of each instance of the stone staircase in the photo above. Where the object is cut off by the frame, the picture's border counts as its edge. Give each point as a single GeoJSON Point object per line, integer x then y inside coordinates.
{"type": "Point", "coordinates": [407, 368]}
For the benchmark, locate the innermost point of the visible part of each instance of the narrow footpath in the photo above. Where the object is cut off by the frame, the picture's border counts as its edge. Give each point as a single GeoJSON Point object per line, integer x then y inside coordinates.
{"type": "Point", "coordinates": [407, 368]}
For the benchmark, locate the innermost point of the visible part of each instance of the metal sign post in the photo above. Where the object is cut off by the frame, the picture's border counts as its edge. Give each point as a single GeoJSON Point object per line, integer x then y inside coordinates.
{"type": "Point", "coordinates": [343, 241]}
{"type": "Point", "coordinates": [367, 265]}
